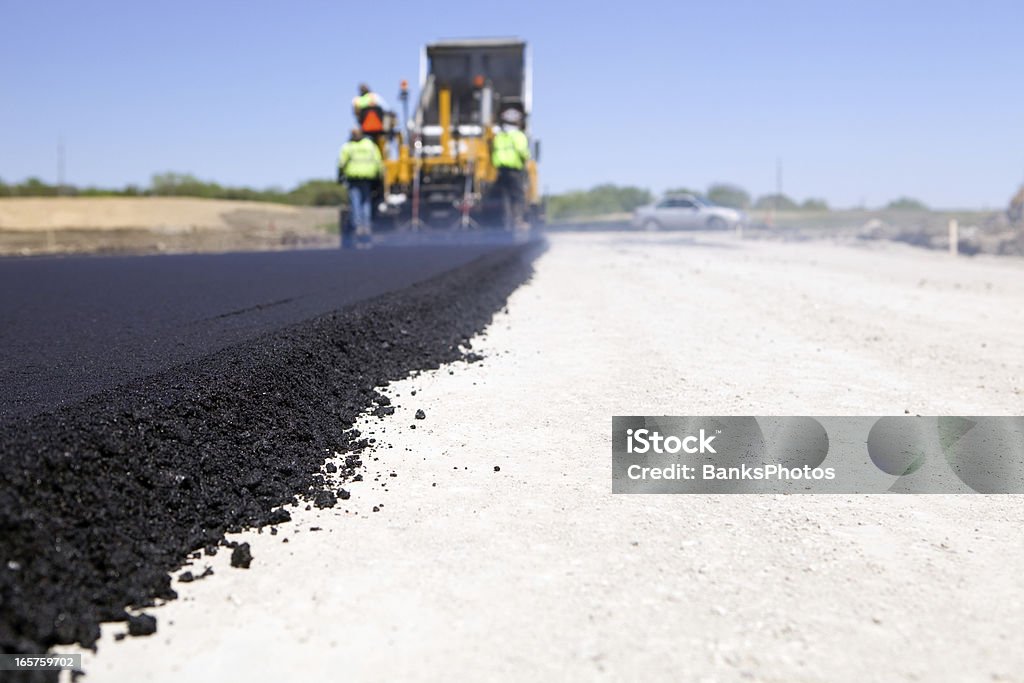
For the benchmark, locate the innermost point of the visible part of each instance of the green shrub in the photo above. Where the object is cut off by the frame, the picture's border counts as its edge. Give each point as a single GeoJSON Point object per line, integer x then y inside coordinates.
{"type": "Point", "coordinates": [906, 204]}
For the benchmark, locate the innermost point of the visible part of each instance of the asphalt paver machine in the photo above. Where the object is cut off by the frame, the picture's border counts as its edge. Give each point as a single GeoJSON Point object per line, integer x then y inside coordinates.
{"type": "Point", "coordinates": [438, 171]}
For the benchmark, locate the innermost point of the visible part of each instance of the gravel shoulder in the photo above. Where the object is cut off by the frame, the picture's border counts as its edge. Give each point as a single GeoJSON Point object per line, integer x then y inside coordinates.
{"type": "Point", "coordinates": [498, 551]}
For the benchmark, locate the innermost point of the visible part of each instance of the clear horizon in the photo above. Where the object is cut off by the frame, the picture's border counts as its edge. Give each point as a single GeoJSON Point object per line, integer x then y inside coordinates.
{"type": "Point", "coordinates": [862, 104]}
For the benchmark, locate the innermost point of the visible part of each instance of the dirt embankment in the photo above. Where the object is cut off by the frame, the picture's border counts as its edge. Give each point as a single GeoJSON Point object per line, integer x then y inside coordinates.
{"type": "Point", "coordinates": [979, 232]}
{"type": "Point", "coordinates": [31, 226]}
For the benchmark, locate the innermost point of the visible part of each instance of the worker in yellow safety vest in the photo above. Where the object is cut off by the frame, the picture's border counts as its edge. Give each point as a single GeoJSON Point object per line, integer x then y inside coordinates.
{"type": "Point", "coordinates": [360, 166]}
{"type": "Point", "coordinates": [510, 150]}
{"type": "Point", "coordinates": [368, 107]}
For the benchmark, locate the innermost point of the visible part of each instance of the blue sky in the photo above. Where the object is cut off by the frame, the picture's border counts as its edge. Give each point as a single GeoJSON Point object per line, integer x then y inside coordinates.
{"type": "Point", "coordinates": [863, 101]}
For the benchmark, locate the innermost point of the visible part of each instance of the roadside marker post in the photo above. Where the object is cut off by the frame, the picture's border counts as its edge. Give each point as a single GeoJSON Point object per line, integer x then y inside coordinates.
{"type": "Point", "coordinates": [954, 237]}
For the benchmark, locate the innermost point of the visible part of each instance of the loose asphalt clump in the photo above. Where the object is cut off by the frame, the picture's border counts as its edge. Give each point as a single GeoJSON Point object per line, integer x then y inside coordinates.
{"type": "Point", "coordinates": [325, 499]}
{"type": "Point", "coordinates": [141, 625]}
{"type": "Point", "coordinates": [102, 500]}
{"type": "Point", "coordinates": [278, 516]}
{"type": "Point", "coordinates": [241, 556]}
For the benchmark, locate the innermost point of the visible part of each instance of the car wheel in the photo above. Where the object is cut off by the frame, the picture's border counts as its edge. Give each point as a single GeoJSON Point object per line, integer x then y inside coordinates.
{"type": "Point", "coordinates": [650, 224]}
{"type": "Point", "coordinates": [717, 223]}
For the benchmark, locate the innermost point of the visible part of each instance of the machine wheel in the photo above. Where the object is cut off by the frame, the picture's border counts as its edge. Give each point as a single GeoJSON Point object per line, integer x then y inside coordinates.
{"type": "Point", "coordinates": [717, 223]}
{"type": "Point", "coordinates": [651, 225]}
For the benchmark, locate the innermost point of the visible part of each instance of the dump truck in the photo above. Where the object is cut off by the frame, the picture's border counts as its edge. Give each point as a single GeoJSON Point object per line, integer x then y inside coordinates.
{"type": "Point", "coordinates": [438, 171]}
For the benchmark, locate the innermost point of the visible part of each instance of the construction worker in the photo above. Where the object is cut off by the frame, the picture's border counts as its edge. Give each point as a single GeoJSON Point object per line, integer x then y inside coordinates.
{"type": "Point", "coordinates": [510, 150]}
{"type": "Point", "coordinates": [360, 166]}
{"type": "Point", "coordinates": [368, 108]}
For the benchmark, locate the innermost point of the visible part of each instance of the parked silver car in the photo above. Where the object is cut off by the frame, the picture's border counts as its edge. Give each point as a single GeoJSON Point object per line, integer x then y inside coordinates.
{"type": "Point", "coordinates": [686, 212]}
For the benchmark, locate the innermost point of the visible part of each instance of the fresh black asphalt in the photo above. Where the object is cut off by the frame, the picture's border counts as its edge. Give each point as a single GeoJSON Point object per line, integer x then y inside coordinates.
{"type": "Point", "coordinates": [153, 405]}
{"type": "Point", "coordinates": [72, 326]}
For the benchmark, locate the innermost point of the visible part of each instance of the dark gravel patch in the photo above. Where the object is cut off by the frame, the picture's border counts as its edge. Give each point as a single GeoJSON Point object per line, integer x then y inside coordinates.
{"type": "Point", "coordinates": [103, 499]}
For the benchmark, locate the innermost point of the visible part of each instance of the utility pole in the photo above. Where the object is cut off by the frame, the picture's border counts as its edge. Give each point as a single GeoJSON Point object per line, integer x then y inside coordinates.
{"type": "Point", "coordinates": [60, 165]}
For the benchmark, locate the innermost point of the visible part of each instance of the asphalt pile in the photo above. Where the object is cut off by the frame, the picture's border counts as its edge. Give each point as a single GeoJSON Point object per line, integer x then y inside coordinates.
{"type": "Point", "coordinates": [101, 500]}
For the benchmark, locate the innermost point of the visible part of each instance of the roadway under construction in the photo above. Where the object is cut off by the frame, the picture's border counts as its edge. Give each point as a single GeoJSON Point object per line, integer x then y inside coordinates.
{"type": "Point", "coordinates": [437, 163]}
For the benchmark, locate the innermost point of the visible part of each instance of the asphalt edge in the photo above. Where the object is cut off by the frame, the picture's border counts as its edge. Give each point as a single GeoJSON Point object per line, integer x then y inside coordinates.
{"type": "Point", "coordinates": [103, 499]}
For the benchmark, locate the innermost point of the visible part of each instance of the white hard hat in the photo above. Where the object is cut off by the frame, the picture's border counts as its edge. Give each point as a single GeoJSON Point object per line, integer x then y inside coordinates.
{"type": "Point", "coordinates": [511, 116]}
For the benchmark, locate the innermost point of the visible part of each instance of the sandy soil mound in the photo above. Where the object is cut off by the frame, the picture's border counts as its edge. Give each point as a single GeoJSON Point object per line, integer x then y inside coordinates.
{"type": "Point", "coordinates": [111, 213]}
{"type": "Point", "coordinates": [30, 225]}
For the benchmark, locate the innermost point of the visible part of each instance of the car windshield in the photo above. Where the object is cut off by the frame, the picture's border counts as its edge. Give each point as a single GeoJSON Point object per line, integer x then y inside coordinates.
{"type": "Point", "coordinates": [680, 201]}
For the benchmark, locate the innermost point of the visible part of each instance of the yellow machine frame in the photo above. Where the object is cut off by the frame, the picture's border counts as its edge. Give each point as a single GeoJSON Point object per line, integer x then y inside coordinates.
{"type": "Point", "coordinates": [401, 170]}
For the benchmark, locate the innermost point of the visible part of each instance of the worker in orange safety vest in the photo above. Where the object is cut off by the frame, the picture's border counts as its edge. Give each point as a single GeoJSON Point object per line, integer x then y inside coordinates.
{"type": "Point", "coordinates": [368, 108]}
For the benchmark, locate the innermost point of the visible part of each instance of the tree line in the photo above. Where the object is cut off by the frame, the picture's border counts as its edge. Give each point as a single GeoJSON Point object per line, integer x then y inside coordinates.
{"type": "Point", "coordinates": [315, 192]}
{"type": "Point", "coordinates": [598, 200]}
{"type": "Point", "coordinates": [609, 199]}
